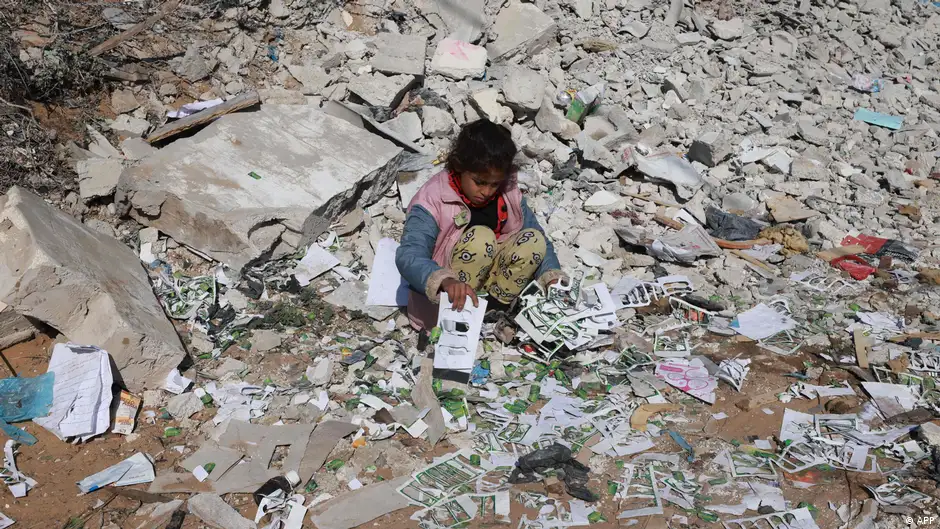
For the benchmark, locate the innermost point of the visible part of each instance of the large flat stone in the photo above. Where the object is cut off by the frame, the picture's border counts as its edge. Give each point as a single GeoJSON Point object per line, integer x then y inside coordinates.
{"type": "Point", "coordinates": [87, 285]}
{"type": "Point", "coordinates": [400, 54]}
{"type": "Point", "coordinates": [520, 28]}
{"type": "Point", "coordinates": [312, 168]}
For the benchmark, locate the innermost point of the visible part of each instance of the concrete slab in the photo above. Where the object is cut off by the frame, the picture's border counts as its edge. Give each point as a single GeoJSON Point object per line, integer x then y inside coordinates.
{"type": "Point", "coordinates": [87, 285]}
{"type": "Point", "coordinates": [400, 54]}
{"type": "Point", "coordinates": [308, 167]}
{"type": "Point", "coordinates": [520, 28]}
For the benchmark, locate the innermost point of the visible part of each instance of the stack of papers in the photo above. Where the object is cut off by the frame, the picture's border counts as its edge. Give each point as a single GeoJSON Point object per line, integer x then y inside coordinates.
{"type": "Point", "coordinates": [81, 394]}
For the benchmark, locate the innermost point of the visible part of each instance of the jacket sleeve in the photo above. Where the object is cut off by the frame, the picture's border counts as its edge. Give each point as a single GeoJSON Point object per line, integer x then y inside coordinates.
{"type": "Point", "coordinates": [413, 257]}
{"type": "Point", "coordinates": [550, 269]}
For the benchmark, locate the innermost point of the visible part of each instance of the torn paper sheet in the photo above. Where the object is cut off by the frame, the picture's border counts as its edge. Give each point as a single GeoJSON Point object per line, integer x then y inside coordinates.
{"type": "Point", "coordinates": [81, 400]}
{"type": "Point", "coordinates": [315, 263]}
{"type": "Point", "coordinates": [191, 108]}
{"type": "Point", "coordinates": [892, 399]}
{"type": "Point", "coordinates": [386, 286]}
{"type": "Point", "coordinates": [689, 376]}
{"type": "Point", "coordinates": [797, 519]}
{"type": "Point", "coordinates": [176, 383]}
{"type": "Point", "coordinates": [797, 426]}
{"type": "Point", "coordinates": [358, 507]}
{"type": "Point", "coordinates": [762, 322]}
{"type": "Point", "coordinates": [132, 471]}
{"type": "Point", "coordinates": [6, 521]}
{"type": "Point", "coordinates": [18, 483]}
{"type": "Point", "coordinates": [456, 348]}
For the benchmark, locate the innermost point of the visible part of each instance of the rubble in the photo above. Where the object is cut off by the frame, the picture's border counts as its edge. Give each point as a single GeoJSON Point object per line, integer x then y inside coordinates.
{"type": "Point", "coordinates": [88, 286]}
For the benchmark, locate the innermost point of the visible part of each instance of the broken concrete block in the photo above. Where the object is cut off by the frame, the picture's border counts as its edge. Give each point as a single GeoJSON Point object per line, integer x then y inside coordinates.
{"type": "Point", "coordinates": [381, 90]}
{"type": "Point", "coordinates": [216, 513]}
{"type": "Point", "coordinates": [458, 59]}
{"type": "Point", "coordinates": [263, 341]}
{"type": "Point", "coordinates": [236, 186]}
{"type": "Point", "coordinates": [636, 28]}
{"type": "Point", "coordinates": [811, 133]}
{"type": "Point", "coordinates": [710, 149]}
{"type": "Point", "coordinates": [184, 406]}
{"type": "Point", "coordinates": [407, 125]}
{"type": "Point", "coordinates": [550, 119]}
{"type": "Point", "coordinates": [804, 168]}
{"type": "Point", "coordinates": [437, 123]}
{"type": "Point", "coordinates": [88, 286]}
{"type": "Point", "coordinates": [130, 125]}
{"type": "Point", "coordinates": [598, 127]}
{"type": "Point", "coordinates": [520, 28]}
{"type": "Point", "coordinates": [730, 29]}
{"type": "Point", "coordinates": [487, 104]}
{"type": "Point", "coordinates": [399, 54]}
{"type": "Point", "coordinates": [136, 149]}
{"type": "Point", "coordinates": [313, 78]}
{"type": "Point", "coordinates": [462, 20]}
{"type": "Point", "coordinates": [123, 101]}
{"type": "Point", "coordinates": [98, 177]}
{"type": "Point", "coordinates": [524, 88]}
{"type": "Point", "coordinates": [929, 432]}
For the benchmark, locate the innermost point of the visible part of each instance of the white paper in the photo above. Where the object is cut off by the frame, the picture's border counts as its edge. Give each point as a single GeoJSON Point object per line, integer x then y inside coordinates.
{"type": "Point", "coordinates": [191, 108]}
{"type": "Point", "coordinates": [81, 400]}
{"type": "Point", "coordinates": [18, 482]}
{"type": "Point", "coordinates": [386, 286]}
{"type": "Point", "coordinates": [762, 322]}
{"type": "Point", "coordinates": [132, 471]}
{"type": "Point", "coordinates": [200, 473]}
{"type": "Point", "coordinates": [5, 521]}
{"type": "Point", "coordinates": [315, 263]}
{"type": "Point", "coordinates": [882, 322]}
{"type": "Point", "coordinates": [176, 383]}
{"type": "Point", "coordinates": [796, 425]}
{"type": "Point", "coordinates": [456, 350]}
{"type": "Point", "coordinates": [891, 399]}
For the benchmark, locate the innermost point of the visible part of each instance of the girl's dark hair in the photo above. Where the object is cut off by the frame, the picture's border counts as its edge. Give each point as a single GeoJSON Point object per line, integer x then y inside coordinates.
{"type": "Point", "coordinates": [482, 146]}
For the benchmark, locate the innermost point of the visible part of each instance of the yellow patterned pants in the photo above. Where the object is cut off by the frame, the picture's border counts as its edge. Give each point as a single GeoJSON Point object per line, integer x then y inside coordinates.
{"type": "Point", "coordinates": [501, 269]}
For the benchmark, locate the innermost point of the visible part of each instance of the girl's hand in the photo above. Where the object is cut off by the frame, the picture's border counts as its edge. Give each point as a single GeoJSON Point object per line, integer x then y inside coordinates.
{"type": "Point", "coordinates": [458, 293]}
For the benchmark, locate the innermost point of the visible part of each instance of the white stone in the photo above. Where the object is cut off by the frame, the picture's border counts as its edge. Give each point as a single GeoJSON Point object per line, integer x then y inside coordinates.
{"type": "Point", "coordinates": [437, 123]}
{"type": "Point", "coordinates": [458, 60]}
{"type": "Point", "coordinates": [930, 433]}
{"type": "Point", "coordinates": [636, 28]}
{"type": "Point", "coordinates": [355, 49]}
{"type": "Point", "coordinates": [199, 192]}
{"type": "Point", "coordinates": [524, 88]}
{"type": "Point", "coordinates": [123, 101]}
{"type": "Point", "coordinates": [603, 201]}
{"type": "Point", "coordinates": [487, 103]}
{"type": "Point", "coordinates": [184, 406]}
{"type": "Point", "coordinates": [217, 514]}
{"type": "Point", "coordinates": [729, 29]}
{"type": "Point", "coordinates": [130, 125]}
{"type": "Point", "coordinates": [380, 90]}
{"type": "Point", "coordinates": [407, 125]}
{"type": "Point", "coordinates": [399, 54]}
{"type": "Point", "coordinates": [550, 119]}
{"type": "Point", "coordinates": [98, 177]}
{"type": "Point", "coordinates": [583, 8]}
{"type": "Point", "coordinates": [87, 285]}
{"type": "Point", "coordinates": [136, 149]}
{"type": "Point", "coordinates": [520, 29]}
{"type": "Point", "coordinates": [263, 340]}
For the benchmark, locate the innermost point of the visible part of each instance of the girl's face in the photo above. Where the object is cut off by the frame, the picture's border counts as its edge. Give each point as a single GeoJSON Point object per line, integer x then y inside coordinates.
{"type": "Point", "coordinates": [480, 188]}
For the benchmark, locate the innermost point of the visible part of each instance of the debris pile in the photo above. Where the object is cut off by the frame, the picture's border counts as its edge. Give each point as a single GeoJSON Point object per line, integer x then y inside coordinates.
{"type": "Point", "coordinates": [744, 198]}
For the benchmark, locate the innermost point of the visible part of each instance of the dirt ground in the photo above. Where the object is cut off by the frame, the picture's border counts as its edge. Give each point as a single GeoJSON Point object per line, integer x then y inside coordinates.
{"type": "Point", "coordinates": [57, 465]}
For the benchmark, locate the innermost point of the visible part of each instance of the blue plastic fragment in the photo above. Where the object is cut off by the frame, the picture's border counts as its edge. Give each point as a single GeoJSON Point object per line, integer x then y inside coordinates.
{"type": "Point", "coordinates": [22, 399]}
{"type": "Point", "coordinates": [877, 118]}
{"type": "Point", "coordinates": [479, 375]}
{"type": "Point", "coordinates": [683, 443]}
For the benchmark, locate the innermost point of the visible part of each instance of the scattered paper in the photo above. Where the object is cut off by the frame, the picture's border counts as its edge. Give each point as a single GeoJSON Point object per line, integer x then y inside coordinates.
{"type": "Point", "coordinates": [315, 263]}
{"type": "Point", "coordinates": [81, 401]}
{"type": "Point", "coordinates": [132, 471]}
{"type": "Point", "coordinates": [5, 521]}
{"type": "Point", "coordinates": [691, 377]}
{"type": "Point", "coordinates": [126, 412]}
{"type": "Point", "coordinates": [797, 426]}
{"type": "Point", "coordinates": [762, 322]}
{"type": "Point", "coordinates": [18, 482]}
{"type": "Point", "coordinates": [892, 399]}
{"type": "Point", "coordinates": [200, 474]}
{"type": "Point", "coordinates": [386, 286]}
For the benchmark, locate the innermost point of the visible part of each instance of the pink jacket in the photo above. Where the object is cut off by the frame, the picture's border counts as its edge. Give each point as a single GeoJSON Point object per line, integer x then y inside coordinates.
{"type": "Point", "coordinates": [443, 203]}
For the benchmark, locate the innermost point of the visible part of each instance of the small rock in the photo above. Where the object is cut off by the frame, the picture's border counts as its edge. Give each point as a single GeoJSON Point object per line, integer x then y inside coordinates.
{"type": "Point", "coordinates": [729, 29]}
{"type": "Point", "coordinates": [406, 125]}
{"type": "Point", "coordinates": [98, 177]}
{"type": "Point", "coordinates": [636, 28]}
{"type": "Point", "coordinates": [130, 125]}
{"type": "Point", "coordinates": [710, 149]}
{"type": "Point", "coordinates": [263, 341]}
{"type": "Point", "coordinates": [184, 406]}
{"type": "Point", "coordinates": [437, 123]}
{"type": "Point", "coordinates": [524, 88]}
{"type": "Point", "coordinates": [550, 119]}
{"type": "Point", "coordinates": [191, 66]}
{"type": "Point", "coordinates": [123, 101]}
{"type": "Point", "coordinates": [804, 168]}
{"type": "Point", "coordinates": [380, 90]}
{"type": "Point", "coordinates": [603, 201]}
{"type": "Point", "coordinates": [811, 133]}
{"type": "Point", "coordinates": [136, 149]}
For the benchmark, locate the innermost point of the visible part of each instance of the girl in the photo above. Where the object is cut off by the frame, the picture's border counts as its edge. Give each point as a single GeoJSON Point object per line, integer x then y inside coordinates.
{"type": "Point", "coordinates": [470, 229]}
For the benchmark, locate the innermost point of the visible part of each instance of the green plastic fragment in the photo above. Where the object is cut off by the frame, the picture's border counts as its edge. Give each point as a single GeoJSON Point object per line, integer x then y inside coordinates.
{"type": "Point", "coordinates": [254, 175]}
{"type": "Point", "coordinates": [475, 459]}
{"type": "Point", "coordinates": [171, 432]}
{"type": "Point", "coordinates": [209, 467]}
{"type": "Point", "coordinates": [335, 464]}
